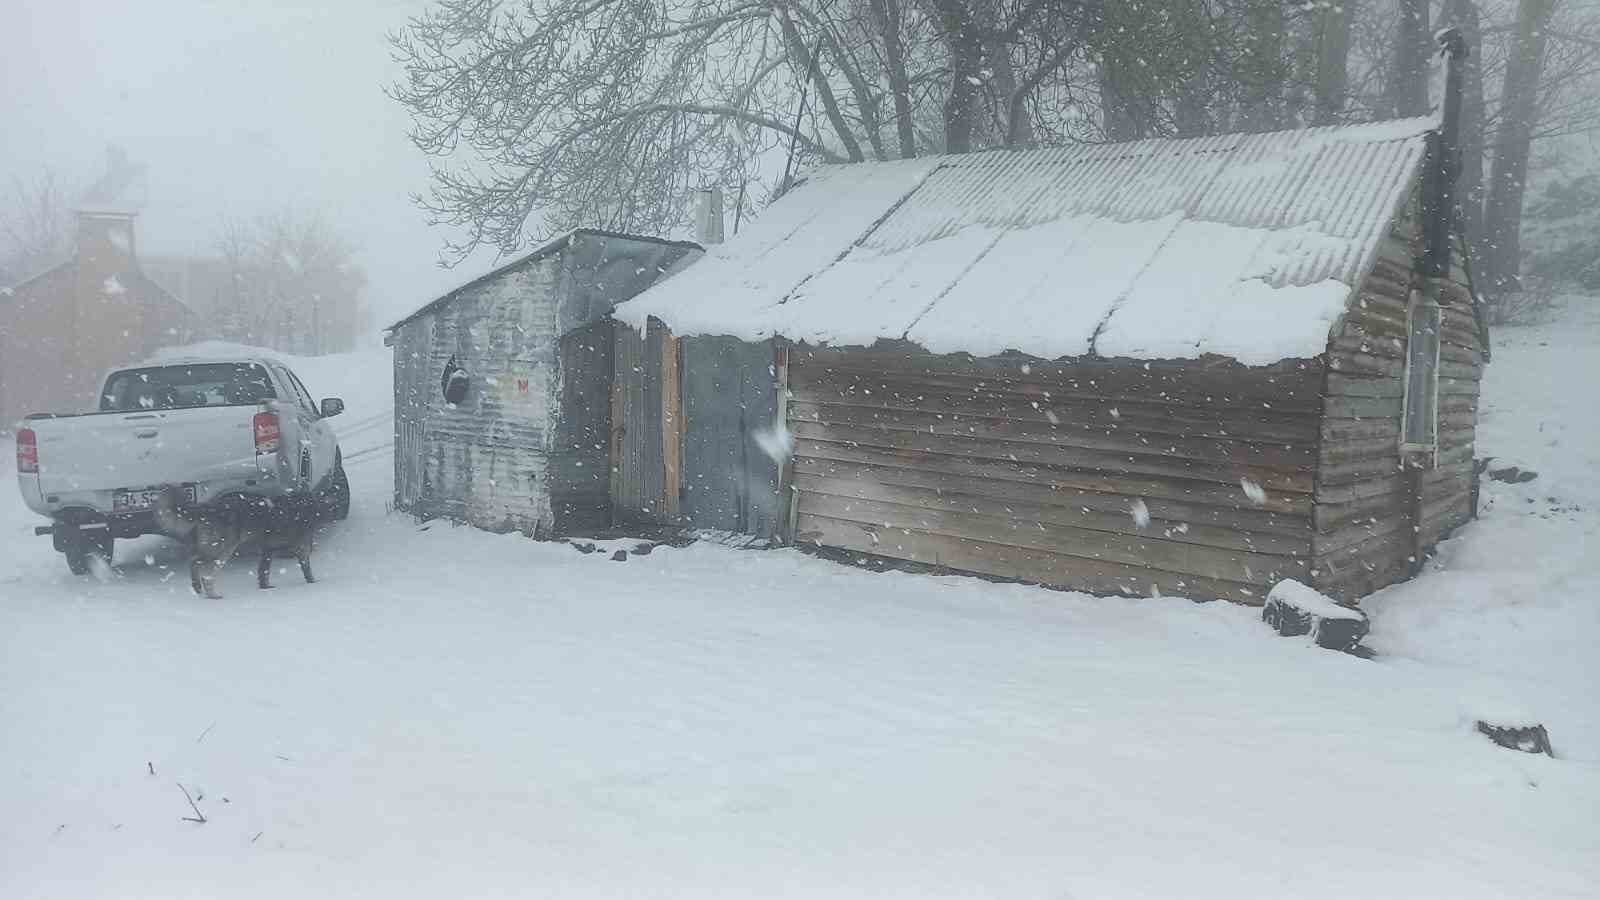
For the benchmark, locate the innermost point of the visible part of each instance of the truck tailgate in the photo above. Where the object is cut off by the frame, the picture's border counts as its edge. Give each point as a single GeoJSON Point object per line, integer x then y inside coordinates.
{"type": "Point", "coordinates": [106, 451]}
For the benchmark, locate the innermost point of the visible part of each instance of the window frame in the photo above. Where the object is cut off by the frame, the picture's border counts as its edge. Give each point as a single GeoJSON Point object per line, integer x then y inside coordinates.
{"type": "Point", "coordinates": [1419, 415]}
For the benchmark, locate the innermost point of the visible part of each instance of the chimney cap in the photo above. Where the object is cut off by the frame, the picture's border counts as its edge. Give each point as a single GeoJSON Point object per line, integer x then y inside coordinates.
{"type": "Point", "coordinates": [120, 191]}
{"type": "Point", "coordinates": [1452, 43]}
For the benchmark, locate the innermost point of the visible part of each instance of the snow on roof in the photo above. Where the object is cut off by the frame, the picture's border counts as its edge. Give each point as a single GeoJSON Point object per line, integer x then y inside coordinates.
{"type": "Point", "coordinates": [1246, 246]}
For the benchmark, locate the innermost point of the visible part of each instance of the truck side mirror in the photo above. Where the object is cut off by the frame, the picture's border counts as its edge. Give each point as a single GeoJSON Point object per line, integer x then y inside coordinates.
{"type": "Point", "coordinates": [331, 406]}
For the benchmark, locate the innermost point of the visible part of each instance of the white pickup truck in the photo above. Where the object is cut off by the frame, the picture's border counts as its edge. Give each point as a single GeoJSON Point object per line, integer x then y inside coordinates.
{"type": "Point", "coordinates": [221, 430]}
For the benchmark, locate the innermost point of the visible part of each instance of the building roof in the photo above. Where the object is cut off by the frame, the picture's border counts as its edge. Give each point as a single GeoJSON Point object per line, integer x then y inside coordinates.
{"type": "Point", "coordinates": [553, 245]}
{"type": "Point", "coordinates": [1246, 246]}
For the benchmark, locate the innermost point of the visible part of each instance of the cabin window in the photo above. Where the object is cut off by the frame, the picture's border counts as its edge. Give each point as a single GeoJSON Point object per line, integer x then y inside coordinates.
{"type": "Point", "coordinates": [1420, 419]}
{"type": "Point", "coordinates": [454, 383]}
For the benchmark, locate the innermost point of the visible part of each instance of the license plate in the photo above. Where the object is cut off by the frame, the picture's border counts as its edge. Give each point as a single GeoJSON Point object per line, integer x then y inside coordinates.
{"type": "Point", "coordinates": [133, 501]}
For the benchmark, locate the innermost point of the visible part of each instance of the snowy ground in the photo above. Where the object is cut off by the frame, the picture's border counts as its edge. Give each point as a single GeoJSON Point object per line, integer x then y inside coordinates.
{"type": "Point", "coordinates": [454, 714]}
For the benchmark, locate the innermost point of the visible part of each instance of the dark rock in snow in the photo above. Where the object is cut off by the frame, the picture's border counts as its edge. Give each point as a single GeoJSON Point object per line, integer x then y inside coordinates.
{"type": "Point", "coordinates": [1293, 609]}
{"type": "Point", "coordinates": [1526, 738]}
{"type": "Point", "coordinates": [1513, 475]}
{"type": "Point", "coordinates": [620, 556]}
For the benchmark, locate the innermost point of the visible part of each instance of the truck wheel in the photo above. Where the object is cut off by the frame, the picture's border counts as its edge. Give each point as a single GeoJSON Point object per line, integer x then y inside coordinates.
{"type": "Point", "coordinates": [78, 548]}
{"type": "Point", "coordinates": [336, 496]}
{"type": "Point", "coordinates": [77, 559]}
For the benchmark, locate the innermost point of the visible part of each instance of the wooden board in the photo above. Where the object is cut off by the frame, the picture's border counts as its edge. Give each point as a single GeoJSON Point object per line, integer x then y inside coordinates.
{"type": "Point", "coordinates": [868, 494]}
{"type": "Point", "coordinates": [1041, 567]}
{"type": "Point", "coordinates": [1033, 470]}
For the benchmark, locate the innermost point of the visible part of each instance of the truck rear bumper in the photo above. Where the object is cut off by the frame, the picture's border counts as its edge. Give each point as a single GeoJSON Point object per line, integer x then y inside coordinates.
{"type": "Point", "coordinates": [93, 509]}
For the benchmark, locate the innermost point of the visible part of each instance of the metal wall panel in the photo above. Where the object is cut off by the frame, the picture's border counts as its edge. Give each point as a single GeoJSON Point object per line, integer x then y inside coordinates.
{"type": "Point", "coordinates": [730, 400]}
{"type": "Point", "coordinates": [638, 478]}
{"type": "Point", "coordinates": [580, 457]}
{"type": "Point", "coordinates": [484, 461]}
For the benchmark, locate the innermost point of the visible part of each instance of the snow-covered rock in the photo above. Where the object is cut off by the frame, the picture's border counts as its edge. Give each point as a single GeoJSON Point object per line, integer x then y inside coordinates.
{"type": "Point", "coordinates": [1294, 609]}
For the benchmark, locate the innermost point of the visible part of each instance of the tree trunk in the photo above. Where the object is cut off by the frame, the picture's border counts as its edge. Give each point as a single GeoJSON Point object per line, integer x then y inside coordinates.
{"type": "Point", "coordinates": [1116, 113]}
{"type": "Point", "coordinates": [965, 46]}
{"type": "Point", "coordinates": [1011, 118]}
{"type": "Point", "coordinates": [1261, 68]}
{"type": "Point", "coordinates": [1333, 60]}
{"type": "Point", "coordinates": [887, 13]}
{"type": "Point", "coordinates": [1463, 15]}
{"type": "Point", "coordinates": [1519, 110]}
{"type": "Point", "coordinates": [830, 104]}
{"type": "Point", "coordinates": [1406, 93]}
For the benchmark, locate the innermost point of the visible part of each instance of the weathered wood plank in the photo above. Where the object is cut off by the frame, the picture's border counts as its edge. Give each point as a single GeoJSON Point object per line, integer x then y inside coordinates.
{"type": "Point", "coordinates": [1361, 352]}
{"type": "Point", "coordinates": [1359, 532]}
{"type": "Point", "coordinates": [1356, 386]}
{"type": "Point", "coordinates": [1192, 510]}
{"type": "Point", "coordinates": [1339, 407]}
{"type": "Point", "coordinates": [1266, 426]}
{"type": "Point", "coordinates": [1227, 496]}
{"type": "Point", "coordinates": [924, 445]}
{"type": "Point", "coordinates": [1219, 385]}
{"type": "Point", "coordinates": [1074, 573]}
{"type": "Point", "coordinates": [672, 421]}
{"type": "Point", "coordinates": [1350, 578]}
{"type": "Point", "coordinates": [1328, 517]}
{"type": "Point", "coordinates": [1335, 453]}
{"type": "Point", "coordinates": [1357, 470]}
{"type": "Point", "coordinates": [1171, 556]}
{"type": "Point", "coordinates": [1359, 490]}
{"type": "Point", "coordinates": [1452, 472]}
{"type": "Point", "coordinates": [1339, 431]}
{"type": "Point", "coordinates": [1117, 437]}
{"type": "Point", "coordinates": [1026, 514]}
{"type": "Point", "coordinates": [1213, 373]}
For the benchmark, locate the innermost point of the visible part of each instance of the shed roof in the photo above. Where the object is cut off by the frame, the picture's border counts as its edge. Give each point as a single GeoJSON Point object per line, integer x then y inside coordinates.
{"type": "Point", "coordinates": [1246, 246]}
{"type": "Point", "coordinates": [553, 245]}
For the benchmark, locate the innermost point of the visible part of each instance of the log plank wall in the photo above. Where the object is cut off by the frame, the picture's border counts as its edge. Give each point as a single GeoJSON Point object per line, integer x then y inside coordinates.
{"type": "Point", "coordinates": [1368, 532]}
{"type": "Point", "coordinates": [1020, 468]}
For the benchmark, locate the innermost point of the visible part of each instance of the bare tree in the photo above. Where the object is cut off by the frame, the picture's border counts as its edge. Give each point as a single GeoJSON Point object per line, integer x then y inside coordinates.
{"type": "Point", "coordinates": [295, 286]}
{"type": "Point", "coordinates": [1463, 15]}
{"type": "Point", "coordinates": [1512, 142]}
{"type": "Point", "coordinates": [1406, 90]}
{"type": "Point", "coordinates": [35, 225]}
{"type": "Point", "coordinates": [1333, 19]}
{"type": "Point", "coordinates": [610, 112]}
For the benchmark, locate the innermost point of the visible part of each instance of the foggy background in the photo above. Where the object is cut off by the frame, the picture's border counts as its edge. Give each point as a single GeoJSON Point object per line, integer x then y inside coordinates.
{"type": "Point", "coordinates": [236, 110]}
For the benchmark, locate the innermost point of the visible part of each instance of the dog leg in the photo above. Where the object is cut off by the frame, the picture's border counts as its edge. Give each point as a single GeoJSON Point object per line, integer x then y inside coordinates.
{"type": "Point", "coordinates": [209, 579]}
{"type": "Point", "coordinates": [196, 576]}
{"type": "Point", "coordinates": [264, 570]}
{"type": "Point", "coordinates": [304, 555]}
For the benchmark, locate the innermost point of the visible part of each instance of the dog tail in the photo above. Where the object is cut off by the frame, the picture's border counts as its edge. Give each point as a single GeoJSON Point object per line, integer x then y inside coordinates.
{"type": "Point", "coordinates": [171, 517]}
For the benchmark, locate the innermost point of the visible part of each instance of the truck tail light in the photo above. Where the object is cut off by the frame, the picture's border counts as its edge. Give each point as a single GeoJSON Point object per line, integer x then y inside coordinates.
{"type": "Point", "coordinates": [27, 452]}
{"type": "Point", "coordinates": [265, 426]}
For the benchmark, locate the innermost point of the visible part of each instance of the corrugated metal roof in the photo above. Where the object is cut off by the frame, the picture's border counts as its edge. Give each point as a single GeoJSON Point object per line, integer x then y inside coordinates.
{"type": "Point", "coordinates": [1043, 250]}
{"type": "Point", "coordinates": [540, 252]}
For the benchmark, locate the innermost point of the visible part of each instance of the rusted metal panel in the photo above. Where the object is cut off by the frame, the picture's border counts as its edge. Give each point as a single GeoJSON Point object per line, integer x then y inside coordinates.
{"type": "Point", "coordinates": [527, 447]}
{"type": "Point", "coordinates": [638, 458]}
{"type": "Point", "coordinates": [412, 361]}
{"type": "Point", "coordinates": [485, 460]}
{"type": "Point", "coordinates": [580, 484]}
{"type": "Point", "coordinates": [1106, 233]}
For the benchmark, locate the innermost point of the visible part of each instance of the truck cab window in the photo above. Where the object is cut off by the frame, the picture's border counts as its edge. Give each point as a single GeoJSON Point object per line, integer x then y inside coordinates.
{"type": "Point", "coordinates": [186, 386]}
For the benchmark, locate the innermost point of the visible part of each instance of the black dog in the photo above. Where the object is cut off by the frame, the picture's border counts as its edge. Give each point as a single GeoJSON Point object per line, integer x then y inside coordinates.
{"type": "Point", "coordinates": [217, 532]}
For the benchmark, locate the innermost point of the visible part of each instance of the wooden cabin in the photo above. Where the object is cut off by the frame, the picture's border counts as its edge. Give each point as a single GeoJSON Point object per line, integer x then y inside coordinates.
{"type": "Point", "coordinates": [502, 387]}
{"type": "Point", "coordinates": [1187, 367]}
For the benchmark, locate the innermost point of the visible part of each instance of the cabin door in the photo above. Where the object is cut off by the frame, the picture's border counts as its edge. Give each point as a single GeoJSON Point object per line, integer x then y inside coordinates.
{"type": "Point", "coordinates": [646, 426]}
